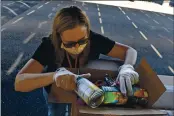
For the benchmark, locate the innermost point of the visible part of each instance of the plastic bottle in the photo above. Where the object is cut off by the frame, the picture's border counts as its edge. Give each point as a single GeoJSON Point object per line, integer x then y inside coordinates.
{"type": "Point", "coordinates": [109, 80]}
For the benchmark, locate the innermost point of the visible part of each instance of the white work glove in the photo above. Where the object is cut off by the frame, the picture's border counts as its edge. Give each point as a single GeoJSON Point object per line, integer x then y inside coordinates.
{"type": "Point", "coordinates": [126, 78]}
{"type": "Point", "coordinates": [66, 79]}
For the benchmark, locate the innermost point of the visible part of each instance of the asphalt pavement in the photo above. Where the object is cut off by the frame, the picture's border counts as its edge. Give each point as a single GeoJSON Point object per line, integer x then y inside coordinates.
{"type": "Point", "coordinates": [24, 24]}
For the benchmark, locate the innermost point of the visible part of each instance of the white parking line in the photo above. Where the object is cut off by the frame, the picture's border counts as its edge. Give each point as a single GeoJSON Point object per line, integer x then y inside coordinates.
{"type": "Point", "coordinates": [155, 21]}
{"type": "Point", "coordinates": [134, 14]}
{"type": "Point", "coordinates": [100, 20]}
{"type": "Point", "coordinates": [170, 19]}
{"type": "Point", "coordinates": [17, 20]}
{"type": "Point", "coordinates": [143, 35]}
{"type": "Point", "coordinates": [47, 2]}
{"type": "Point", "coordinates": [24, 4]}
{"type": "Point", "coordinates": [54, 9]}
{"type": "Point", "coordinates": [40, 24]}
{"type": "Point", "coordinates": [75, 2]}
{"type": "Point", "coordinates": [40, 7]}
{"type": "Point", "coordinates": [172, 29]}
{"type": "Point", "coordinates": [161, 36]}
{"type": "Point", "coordinates": [123, 12]}
{"type": "Point", "coordinates": [166, 29]}
{"type": "Point", "coordinates": [170, 41]}
{"type": "Point", "coordinates": [67, 111]}
{"type": "Point", "coordinates": [15, 64]}
{"type": "Point", "coordinates": [58, 4]}
{"type": "Point", "coordinates": [31, 12]}
{"type": "Point", "coordinates": [156, 51]}
{"type": "Point", "coordinates": [102, 30]}
{"type": "Point", "coordinates": [10, 3]}
{"type": "Point", "coordinates": [3, 29]}
{"type": "Point", "coordinates": [166, 38]}
{"type": "Point", "coordinates": [61, 1]}
{"type": "Point", "coordinates": [152, 27]}
{"type": "Point", "coordinates": [12, 11]}
{"type": "Point", "coordinates": [134, 25]}
{"type": "Point", "coordinates": [156, 14]}
{"type": "Point", "coordinates": [120, 8]}
{"type": "Point", "coordinates": [15, 9]}
{"type": "Point", "coordinates": [29, 38]}
{"type": "Point", "coordinates": [99, 14]}
{"type": "Point", "coordinates": [98, 9]}
{"type": "Point", "coordinates": [83, 4]}
{"type": "Point", "coordinates": [128, 17]}
{"type": "Point", "coordinates": [144, 21]}
{"type": "Point", "coordinates": [171, 69]}
{"type": "Point", "coordinates": [67, 108]}
{"type": "Point", "coordinates": [49, 16]}
{"type": "Point", "coordinates": [162, 14]}
{"type": "Point", "coordinates": [147, 15]}
{"type": "Point", "coordinates": [141, 11]}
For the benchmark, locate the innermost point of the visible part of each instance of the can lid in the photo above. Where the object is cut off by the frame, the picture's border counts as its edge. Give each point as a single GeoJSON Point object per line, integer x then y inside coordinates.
{"type": "Point", "coordinates": [96, 98]}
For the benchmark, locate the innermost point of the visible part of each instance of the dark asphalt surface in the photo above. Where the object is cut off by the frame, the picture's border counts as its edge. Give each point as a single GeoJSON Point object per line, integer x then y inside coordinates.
{"type": "Point", "coordinates": [38, 24]}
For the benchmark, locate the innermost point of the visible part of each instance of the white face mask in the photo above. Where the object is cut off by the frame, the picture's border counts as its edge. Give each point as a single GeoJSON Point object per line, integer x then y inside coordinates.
{"type": "Point", "coordinates": [74, 50]}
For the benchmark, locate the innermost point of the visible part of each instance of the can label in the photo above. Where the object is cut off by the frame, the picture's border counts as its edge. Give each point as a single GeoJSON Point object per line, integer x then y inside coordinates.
{"type": "Point", "coordinates": [85, 89]}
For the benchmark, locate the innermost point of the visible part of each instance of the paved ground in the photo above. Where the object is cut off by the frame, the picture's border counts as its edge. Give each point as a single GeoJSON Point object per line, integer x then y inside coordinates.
{"type": "Point", "coordinates": [160, 6]}
{"type": "Point", "coordinates": [151, 34]}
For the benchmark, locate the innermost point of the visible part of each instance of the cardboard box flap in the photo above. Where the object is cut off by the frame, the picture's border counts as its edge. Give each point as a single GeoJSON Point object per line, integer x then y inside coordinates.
{"type": "Point", "coordinates": [150, 81]}
{"type": "Point", "coordinates": [102, 64]}
{"type": "Point", "coordinates": [98, 74]}
{"type": "Point", "coordinates": [119, 111]}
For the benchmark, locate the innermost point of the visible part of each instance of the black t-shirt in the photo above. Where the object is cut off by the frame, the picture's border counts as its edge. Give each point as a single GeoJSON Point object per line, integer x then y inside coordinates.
{"type": "Point", "coordinates": [45, 53]}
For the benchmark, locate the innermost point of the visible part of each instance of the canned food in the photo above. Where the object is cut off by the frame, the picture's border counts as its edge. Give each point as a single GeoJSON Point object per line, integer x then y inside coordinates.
{"type": "Point", "coordinates": [89, 92]}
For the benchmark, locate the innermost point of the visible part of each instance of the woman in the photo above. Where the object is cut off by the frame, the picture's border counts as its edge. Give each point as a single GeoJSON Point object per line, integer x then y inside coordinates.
{"type": "Point", "coordinates": [72, 44]}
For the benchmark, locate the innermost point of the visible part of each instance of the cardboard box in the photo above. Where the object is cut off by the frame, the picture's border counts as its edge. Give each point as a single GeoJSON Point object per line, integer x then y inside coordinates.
{"type": "Point", "coordinates": [166, 100]}
{"type": "Point", "coordinates": [148, 80]}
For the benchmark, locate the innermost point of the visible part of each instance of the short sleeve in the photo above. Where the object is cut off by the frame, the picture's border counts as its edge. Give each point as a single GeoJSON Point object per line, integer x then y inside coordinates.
{"type": "Point", "coordinates": [102, 44]}
{"type": "Point", "coordinates": [44, 52]}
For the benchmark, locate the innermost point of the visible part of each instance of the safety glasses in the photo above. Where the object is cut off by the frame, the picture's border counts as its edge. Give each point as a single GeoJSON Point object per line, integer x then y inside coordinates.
{"type": "Point", "coordinates": [72, 44]}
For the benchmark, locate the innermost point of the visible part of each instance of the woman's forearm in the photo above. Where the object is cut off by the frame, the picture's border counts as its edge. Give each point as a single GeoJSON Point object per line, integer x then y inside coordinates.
{"type": "Point", "coordinates": [131, 56]}
{"type": "Point", "coordinates": [27, 82]}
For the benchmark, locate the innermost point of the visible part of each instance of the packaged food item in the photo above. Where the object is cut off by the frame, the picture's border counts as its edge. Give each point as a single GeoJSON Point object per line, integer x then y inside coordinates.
{"type": "Point", "coordinates": [139, 92]}
{"type": "Point", "coordinates": [133, 100]}
{"type": "Point", "coordinates": [140, 96]}
{"type": "Point", "coordinates": [113, 96]}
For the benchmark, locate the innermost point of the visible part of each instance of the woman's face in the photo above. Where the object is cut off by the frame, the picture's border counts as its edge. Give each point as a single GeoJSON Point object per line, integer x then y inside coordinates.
{"type": "Point", "coordinates": [74, 35]}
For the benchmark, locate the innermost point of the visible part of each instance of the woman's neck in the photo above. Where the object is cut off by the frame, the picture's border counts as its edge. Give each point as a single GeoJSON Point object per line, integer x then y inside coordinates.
{"type": "Point", "coordinates": [73, 56]}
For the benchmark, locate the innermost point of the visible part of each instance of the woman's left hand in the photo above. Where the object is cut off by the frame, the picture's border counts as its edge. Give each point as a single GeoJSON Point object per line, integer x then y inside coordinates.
{"type": "Point", "coordinates": [126, 78]}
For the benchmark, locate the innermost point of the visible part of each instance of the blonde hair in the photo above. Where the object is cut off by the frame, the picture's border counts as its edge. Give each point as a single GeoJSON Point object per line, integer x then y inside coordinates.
{"type": "Point", "coordinates": [67, 18]}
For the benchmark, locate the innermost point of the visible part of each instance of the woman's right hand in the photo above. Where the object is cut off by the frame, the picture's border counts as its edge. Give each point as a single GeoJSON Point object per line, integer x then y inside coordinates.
{"type": "Point", "coordinates": [66, 79]}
